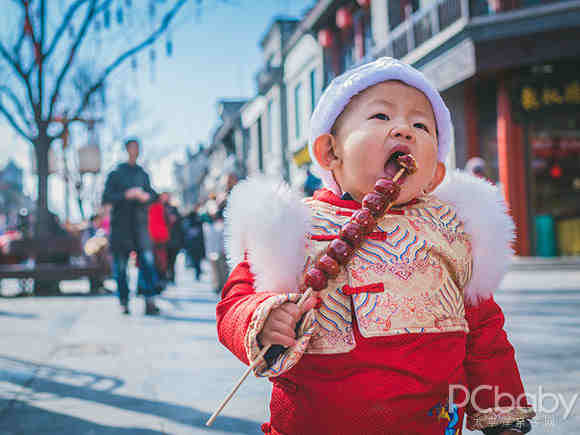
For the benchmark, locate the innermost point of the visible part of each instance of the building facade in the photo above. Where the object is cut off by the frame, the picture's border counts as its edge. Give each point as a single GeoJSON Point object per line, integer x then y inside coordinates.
{"type": "Point", "coordinates": [513, 96]}
{"type": "Point", "coordinates": [265, 116]}
{"type": "Point", "coordinates": [513, 99]}
{"type": "Point", "coordinates": [12, 197]}
{"type": "Point", "coordinates": [190, 176]}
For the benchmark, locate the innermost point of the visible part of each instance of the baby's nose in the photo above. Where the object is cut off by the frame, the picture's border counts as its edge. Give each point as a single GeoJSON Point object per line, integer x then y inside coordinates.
{"type": "Point", "coordinates": [403, 132]}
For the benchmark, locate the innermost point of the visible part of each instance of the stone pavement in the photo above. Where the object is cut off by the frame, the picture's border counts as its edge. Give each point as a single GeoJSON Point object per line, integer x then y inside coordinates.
{"type": "Point", "coordinates": [75, 365]}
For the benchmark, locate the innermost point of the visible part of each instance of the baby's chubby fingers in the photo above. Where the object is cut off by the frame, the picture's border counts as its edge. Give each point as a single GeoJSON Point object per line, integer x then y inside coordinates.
{"type": "Point", "coordinates": [280, 326]}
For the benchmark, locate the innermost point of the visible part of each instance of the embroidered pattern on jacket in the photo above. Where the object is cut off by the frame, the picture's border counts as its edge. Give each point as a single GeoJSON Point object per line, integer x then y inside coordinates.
{"type": "Point", "coordinates": [423, 261]}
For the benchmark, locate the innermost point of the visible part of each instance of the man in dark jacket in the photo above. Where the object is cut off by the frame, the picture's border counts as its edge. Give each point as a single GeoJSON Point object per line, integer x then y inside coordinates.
{"type": "Point", "coordinates": [129, 191]}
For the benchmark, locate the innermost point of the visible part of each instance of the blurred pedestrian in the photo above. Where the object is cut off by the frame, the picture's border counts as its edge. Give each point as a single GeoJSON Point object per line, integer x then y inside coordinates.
{"type": "Point", "coordinates": [194, 240]}
{"type": "Point", "coordinates": [129, 191]}
{"type": "Point", "coordinates": [215, 248]}
{"type": "Point", "coordinates": [159, 232]}
{"type": "Point", "coordinates": [176, 236]}
{"type": "Point", "coordinates": [95, 246]}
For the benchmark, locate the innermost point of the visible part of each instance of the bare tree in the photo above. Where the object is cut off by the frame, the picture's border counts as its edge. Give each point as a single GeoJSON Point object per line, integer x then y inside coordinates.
{"type": "Point", "coordinates": [39, 64]}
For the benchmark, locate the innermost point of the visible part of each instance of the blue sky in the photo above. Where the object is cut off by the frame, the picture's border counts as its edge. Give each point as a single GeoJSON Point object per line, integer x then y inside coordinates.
{"type": "Point", "coordinates": [215, 56]}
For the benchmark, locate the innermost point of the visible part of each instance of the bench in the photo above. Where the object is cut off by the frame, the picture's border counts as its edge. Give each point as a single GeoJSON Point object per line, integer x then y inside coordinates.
{"type": "Point", "coordinates": [51, 262]}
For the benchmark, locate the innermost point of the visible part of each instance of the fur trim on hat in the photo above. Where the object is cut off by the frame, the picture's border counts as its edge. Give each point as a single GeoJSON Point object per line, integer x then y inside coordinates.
{"type": "Point", "coordinates": [481, 208]}
{"type": "Point", "coordinates": [268, 222]}
{"type": "Point", "coordinates": [338, 94]}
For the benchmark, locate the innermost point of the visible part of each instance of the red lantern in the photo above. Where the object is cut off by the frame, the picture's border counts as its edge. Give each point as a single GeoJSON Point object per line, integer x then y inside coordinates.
{"type": "Point", "coordinates": [343, 18]}
{"type": "Point", "coordinates": [364, 3]}
{"type": "Point", "coordinates": [556, 171]}
{"type": "Point", "coordinates": [325, 38]}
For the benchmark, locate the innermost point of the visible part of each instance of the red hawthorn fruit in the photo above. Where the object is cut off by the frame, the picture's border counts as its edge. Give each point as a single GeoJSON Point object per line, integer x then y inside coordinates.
{"type": "Point", "coordinates": [388, 188]}
{"type": "Point", "coordinates": [376, 203]}
{"type": "Point", "coordinates": [328, 265]}
{"type": "Point", "coordinates": [316, 279]}
{"type": "Point", "coordinates": [352, 233]}
{"type": "Point", "coordinates": [365, 219]}
{"type": "Point", "coordinates": [339, 250]}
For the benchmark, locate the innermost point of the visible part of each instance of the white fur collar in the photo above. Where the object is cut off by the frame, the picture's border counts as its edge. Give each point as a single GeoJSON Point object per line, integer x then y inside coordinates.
{"type": "Point", "coordinates": [269, 223]}
{"type": "Point", "coordinates": [481, 208]}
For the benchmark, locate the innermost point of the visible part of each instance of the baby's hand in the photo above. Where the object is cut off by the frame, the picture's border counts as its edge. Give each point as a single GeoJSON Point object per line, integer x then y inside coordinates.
{"type": "Point", "coordinates": [281, 323]}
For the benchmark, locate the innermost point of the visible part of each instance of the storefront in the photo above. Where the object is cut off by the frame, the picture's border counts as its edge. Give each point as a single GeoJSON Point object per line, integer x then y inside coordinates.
{"type": "Point", "coordinates": [548, 107]}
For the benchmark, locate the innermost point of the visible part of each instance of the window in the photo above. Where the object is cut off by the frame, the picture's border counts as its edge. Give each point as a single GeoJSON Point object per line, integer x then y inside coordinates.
{"type": "Point", "coordinates": [312, 89]}
{"type": "Point", "coordinates": [297, 110]}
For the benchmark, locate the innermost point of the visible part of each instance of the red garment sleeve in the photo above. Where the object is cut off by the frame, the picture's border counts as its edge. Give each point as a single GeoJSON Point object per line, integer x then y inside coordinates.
{"type": "Point", "coordinates": [235, 310]}
{"type": "Point", "coordinates": [490, 359]}
{"type": "Point", "coordinates": [157, 225]}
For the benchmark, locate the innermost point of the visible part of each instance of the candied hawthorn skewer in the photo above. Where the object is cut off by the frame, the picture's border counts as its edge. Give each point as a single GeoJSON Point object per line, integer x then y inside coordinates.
{"type": "Point", "coordinates": [374, 205]}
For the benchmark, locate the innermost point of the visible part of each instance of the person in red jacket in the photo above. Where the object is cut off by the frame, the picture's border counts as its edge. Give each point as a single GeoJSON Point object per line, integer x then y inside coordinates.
{"type": "Point", "coordinates": [159, 232]}
{"type": "Point", "coordinates": [407, 338]}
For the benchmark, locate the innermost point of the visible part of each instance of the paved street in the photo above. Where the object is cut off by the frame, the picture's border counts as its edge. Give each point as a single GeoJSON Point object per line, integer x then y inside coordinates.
{"type": "Point", "coordinates": [75, 365]}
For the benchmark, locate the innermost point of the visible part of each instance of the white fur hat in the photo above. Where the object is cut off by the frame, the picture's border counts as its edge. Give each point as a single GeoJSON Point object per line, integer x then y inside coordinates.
{"type": "Point", "coordinates": [344, 87]}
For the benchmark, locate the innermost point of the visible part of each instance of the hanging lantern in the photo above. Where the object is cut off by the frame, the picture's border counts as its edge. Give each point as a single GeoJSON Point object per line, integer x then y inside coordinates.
{"type": "Point", "coordinates": [325, 38]}
{"type": "Point", "coordinates": [556, 171]}
{"type": "Point", "coordinates": [169, 48]}
{"type": "Point", "coordinates": [343, 18]}
{"type": "Point", "coordinates": [120, 15]}
{"type": "Point", "coordinates": [364, 3]}
{"type": "Point", "coordinates": [89, 159]}
{"type": "Point", "coordinates": [134, 63]}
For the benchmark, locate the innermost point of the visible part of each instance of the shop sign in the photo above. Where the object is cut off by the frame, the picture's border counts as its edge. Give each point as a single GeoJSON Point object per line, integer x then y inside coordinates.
{"type": "Point", "coordinates": [539, 98]}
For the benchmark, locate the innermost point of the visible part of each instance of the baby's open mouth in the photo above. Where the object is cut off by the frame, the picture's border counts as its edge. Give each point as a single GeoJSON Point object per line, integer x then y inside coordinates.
{"type": "Point", "coordinates": [391, 165]}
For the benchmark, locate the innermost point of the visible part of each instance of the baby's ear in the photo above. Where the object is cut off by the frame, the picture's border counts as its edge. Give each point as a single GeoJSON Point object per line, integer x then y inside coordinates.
{"type": "Point", "coordinates": [438, 177]}
{"type": "Point", "coordinates": [324, 150]}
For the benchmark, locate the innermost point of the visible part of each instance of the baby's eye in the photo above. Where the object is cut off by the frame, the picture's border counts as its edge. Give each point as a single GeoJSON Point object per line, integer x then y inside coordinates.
{"type": "Point", "coordinates": [380, 116]}
{"type": "Point", "coordinates": [421, 126]}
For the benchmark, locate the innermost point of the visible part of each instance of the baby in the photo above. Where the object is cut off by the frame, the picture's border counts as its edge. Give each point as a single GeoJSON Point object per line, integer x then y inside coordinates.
{"type": "Point", "coordinates": [405, 338]}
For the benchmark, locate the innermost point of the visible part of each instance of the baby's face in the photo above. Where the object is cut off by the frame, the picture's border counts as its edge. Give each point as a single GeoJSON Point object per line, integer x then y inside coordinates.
{"type": "Point", "coordinates": [384, 119]}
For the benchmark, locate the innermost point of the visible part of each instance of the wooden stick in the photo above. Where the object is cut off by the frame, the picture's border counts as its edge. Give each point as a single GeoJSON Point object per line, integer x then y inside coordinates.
{"type": "Point", "coordinates": [398, 175]}
{"type": "Point", "coordinates": [253, 365]}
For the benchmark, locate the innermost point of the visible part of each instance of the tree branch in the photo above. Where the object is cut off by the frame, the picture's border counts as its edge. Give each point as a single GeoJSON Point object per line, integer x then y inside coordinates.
{"type": "Point", "coordinates": [63, 25]}
{"type": "Point", "coordinates": [117, 62]}
{"type": "Point", "coordinates": [18, 44]}
{"type": "Point", "coordinates": [8, 92]}
{"type": "Point", "coordinates": [73, 50]}
{"type": "Point", "coordinates": [25, 78]}
{"type": "Point", "coordinates": [13, 123]}
{"type": "Point", "coordinates": [39, 56]}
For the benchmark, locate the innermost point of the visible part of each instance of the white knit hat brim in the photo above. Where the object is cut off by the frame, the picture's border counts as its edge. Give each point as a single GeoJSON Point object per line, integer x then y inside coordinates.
{"type": "Point", "coordinates": [339, 92]}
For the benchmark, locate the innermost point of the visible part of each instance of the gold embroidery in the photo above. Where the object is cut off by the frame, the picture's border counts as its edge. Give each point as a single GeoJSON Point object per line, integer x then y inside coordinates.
{"type": "Point", "coordinates": [423, 263]}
